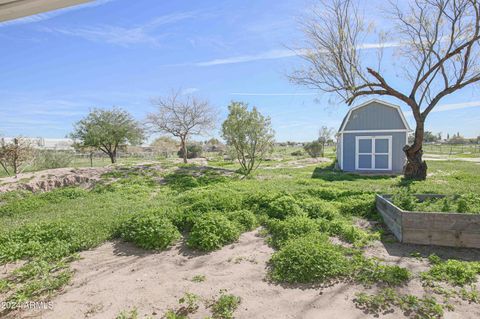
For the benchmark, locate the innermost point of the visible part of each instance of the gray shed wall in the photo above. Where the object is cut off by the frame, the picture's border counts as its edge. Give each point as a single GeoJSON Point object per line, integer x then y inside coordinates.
{"type": "Point", "coordinates": [398, 156]}
{"type": "Point", "coordinates": [375, 116]}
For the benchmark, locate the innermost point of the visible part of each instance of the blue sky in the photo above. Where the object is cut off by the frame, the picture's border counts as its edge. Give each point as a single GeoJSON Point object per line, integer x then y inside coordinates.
{"type": "Point", "coordinates": [56, 66]}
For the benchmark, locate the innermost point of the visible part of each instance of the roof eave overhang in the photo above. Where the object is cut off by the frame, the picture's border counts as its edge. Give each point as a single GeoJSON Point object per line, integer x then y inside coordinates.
{"type": "Point", "coordinates": [16, 9]}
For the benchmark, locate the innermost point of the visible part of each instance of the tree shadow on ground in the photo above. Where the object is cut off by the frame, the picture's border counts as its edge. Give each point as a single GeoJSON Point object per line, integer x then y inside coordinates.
{"type": "Point", "coordinates": [330, 174]}
{"type": "Point", "coordinates": [398, 249]}
{"type": "Point", "coordinates": [123, 248]}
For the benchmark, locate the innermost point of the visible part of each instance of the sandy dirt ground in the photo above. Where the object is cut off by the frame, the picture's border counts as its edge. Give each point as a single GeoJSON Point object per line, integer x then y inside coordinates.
{"type": "Point", "coordinates": [117, 276]}
{"type": "Point", "coordinates": [47, 180]}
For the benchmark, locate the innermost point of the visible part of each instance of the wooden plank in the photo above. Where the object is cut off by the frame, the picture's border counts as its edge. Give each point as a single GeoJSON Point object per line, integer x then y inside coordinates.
{"type": "Point", "coordinates": [441, 238]}
{"type": "Point", "coordinates": [442, 222]}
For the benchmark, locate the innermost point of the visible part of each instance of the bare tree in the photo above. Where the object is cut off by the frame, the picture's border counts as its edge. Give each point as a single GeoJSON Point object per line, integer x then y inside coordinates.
{"type": "Point", "coordinates": [436, 48]}
{"type": "Point", "coordinates": [324, 136]}
{"type": "Point", "coordinates": [182, 117]}
{"type": "Point", "coordinates": [16, 155]}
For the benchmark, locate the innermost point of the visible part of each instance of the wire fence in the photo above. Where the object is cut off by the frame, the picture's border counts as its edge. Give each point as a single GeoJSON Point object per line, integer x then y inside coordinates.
{"type": "Point", "coordinates": [452, 149]}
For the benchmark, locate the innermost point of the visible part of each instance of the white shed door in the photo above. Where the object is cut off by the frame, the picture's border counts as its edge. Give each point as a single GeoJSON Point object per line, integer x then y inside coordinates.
{"type": "Point", "coordinates": [373, 153]}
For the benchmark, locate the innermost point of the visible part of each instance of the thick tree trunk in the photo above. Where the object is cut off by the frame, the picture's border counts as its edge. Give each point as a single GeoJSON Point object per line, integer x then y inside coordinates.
{"type": "Point", "coordinates": [416, 167]}
{"type": "Point", "coordinates": [184, 150]}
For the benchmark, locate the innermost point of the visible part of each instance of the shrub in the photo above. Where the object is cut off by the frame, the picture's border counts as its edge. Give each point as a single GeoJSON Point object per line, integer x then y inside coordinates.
{"type": "Point", "coordinates": [193, 151]}
{"type": "Point", "coordinates": [309, 259]}
{"type": "Point", "coordinates": [290, 228]}
{"type": "Point", "coordinates": [283, 207]}
{"type": "Point", "coordinates": [245, 219]}
{"type": "Point", "coordinates": [212, 231]}
{"type": "Point", "coordinates": [314, 149]}
{"type": "Point", "coordinates": [297, 153]}
{"type": "Point", "coordinates": [316, 208]}
{"type": "Point", "coordinates": [149, 231]}
{"type": "Point", "coordinates": [53, 159]}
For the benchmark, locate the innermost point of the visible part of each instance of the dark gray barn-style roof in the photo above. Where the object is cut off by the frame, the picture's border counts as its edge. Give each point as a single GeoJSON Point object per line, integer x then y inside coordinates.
{"type": "Point", "coordinates": [372, 116]}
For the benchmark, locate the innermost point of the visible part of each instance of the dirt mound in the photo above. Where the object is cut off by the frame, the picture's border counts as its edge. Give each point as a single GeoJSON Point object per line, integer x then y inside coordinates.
{"type": "Point", "coordinates": [44, 181]}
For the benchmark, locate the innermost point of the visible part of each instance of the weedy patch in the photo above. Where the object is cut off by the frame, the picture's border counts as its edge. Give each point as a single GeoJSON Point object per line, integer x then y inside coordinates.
{"type": "Point", "coordinates": [454, 272]}
{"type": "Point", "coordinates": [412, 306]}
{"type": "Point", "coordinates": [225, 305]}
{"type": "Point", "coordinates": [199, 278]}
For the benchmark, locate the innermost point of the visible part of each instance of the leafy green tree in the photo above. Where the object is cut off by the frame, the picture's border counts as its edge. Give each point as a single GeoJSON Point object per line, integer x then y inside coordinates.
{"type": "Point", "coordinates": [249, 134]}
{"type": "Point", "coordinates": [314, 149]}
{"type": "Point", "coordinates": [429, 137]}
{"type": "Point", "coordinates": [108, 130]}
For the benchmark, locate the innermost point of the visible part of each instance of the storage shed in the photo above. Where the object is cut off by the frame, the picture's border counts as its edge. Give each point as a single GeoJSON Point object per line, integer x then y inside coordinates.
{"type": "Point", "coordinates": [371, 139]}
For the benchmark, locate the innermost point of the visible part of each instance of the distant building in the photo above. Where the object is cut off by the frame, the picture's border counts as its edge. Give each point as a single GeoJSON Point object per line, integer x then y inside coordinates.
{"type": "Point", "coordinates": [59, 144]}
{"type": "Point", "coordinates": [371, 138]}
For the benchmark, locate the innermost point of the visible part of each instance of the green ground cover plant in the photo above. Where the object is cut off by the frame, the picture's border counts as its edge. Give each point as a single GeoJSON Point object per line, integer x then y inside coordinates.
{"type": "Point", "coordinates": [412, 306]}
{"type": "Point", "coordinates": [225, 305]}
{"type": "Point", "coordinates": [468, 203]}
{"type": "Point", "coordinates": [149, 231]}
{"type": "Point", "coordinates": [309, 259]}
{"type": "Point", "coordinates": [52, 228]}
{"type": "Point", "coordinates": [455, 272]}
{"type": "Point", "coordinates": [212, 231]}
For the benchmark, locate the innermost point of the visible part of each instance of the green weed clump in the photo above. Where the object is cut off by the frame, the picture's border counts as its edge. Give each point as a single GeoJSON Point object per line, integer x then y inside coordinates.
{"type": "Point", "coordinates": [184, 179]}
{"type": "Point", "coordinates": [404, 199]}
{"type": "Point", "coordinates": [346, 231]}
{"type": "Point", "coordinates": [35, 279]}
{"type": "Point", "coordinates": [293, 227]}
{"type": "Point", "coordinates": [212, 231]}
{"type": "Point", "coordinates": [284, 206]}
{"type": "Point", "coordinates": [359, 205]}
{"type": "Point", "coordinates": [245, 219]}
{"type": "Point", "coordinates": [211, 199]}
{"type": "Point", "coordinates": [412, 306]}
{"type": "Point", "coordinates": [149, 231]}
{"type": "Point", "coordinates": [47, 240]}
{"type": "Point", "coordinates": [452, 271]}
{"type": "Point", "coordinates": [319, 208]}
{"type": "Point", "coordinates": [309, 259]}
{"type": "Point", "coordinates": [370, 271]}
{"type": "Point", "coordinates": [225, 306]}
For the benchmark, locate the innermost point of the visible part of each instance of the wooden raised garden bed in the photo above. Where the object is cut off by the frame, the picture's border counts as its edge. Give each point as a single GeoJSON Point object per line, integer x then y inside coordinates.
{"type": "Point", "coordinates": [425, 228]}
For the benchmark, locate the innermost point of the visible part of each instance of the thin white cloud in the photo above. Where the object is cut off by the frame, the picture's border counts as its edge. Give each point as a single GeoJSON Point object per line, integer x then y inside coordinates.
{"type": "Point", "coordinates": [52, 14]}
{"type": "Point", "coordinates": [124, 36]}
{"type": "Point", "coordinates": [456, 106]}
{"type": "Point", "coordinates": [108, 34]}
{"type": "Point", "coordinates": [268, 55]}
{"type": "Point", "coordinates": [274, 94]}
{"type": "Point", "coordinates": [188, 91]}
{"type": "Point", "coordinates": [450, 107]}
{"type": "Point", "coordinates": [283, 53]}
